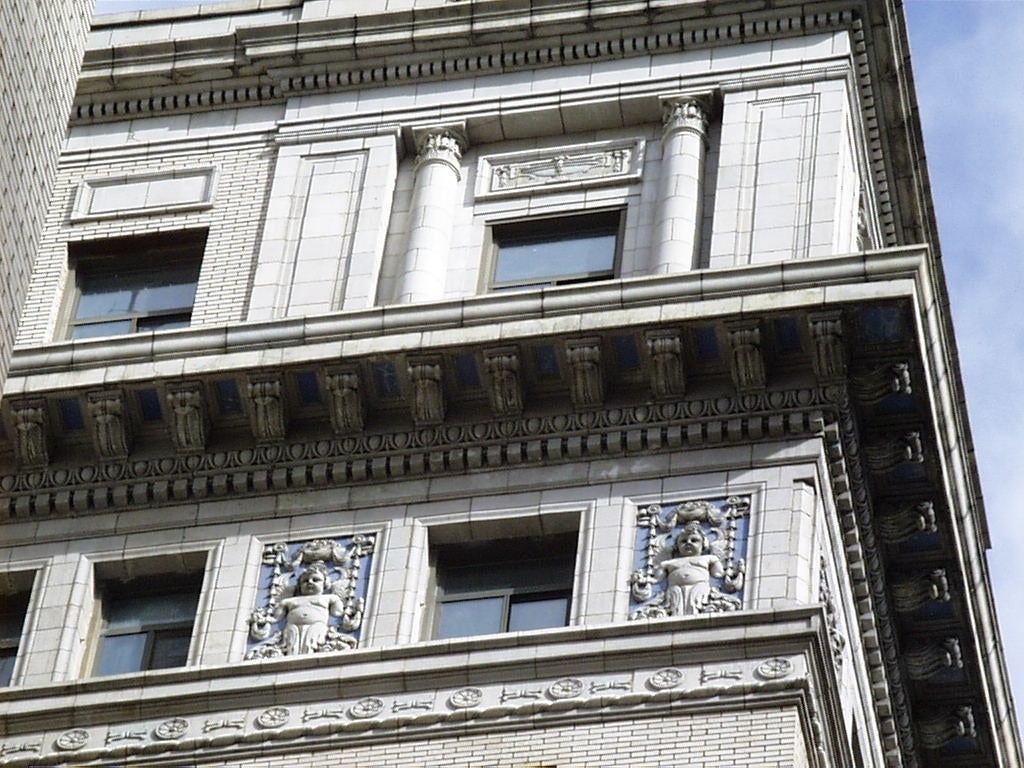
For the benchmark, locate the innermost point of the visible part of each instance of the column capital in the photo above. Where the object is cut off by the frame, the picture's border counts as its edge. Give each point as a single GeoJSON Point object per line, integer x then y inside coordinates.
{"type": "Point", "coordinates": [685, 113]}
{"type": "Point", "coordinates": [441, 144]}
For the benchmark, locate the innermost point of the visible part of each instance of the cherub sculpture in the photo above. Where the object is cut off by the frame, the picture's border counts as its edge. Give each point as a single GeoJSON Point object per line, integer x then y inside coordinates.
{"type": "Point", "coordinates": [689, 574]}
{"type": "Point", "coordinates": [307, 612]}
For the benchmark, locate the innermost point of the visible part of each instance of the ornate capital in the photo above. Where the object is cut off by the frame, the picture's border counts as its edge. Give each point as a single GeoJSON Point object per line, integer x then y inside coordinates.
{"type": "Point", "coordinates": [32, 433]}
{"type": "Point", "coordinates": [189, 417]}
{"type": "Point", "coordinates": [504, 384]}
{"type": "Point", "coordinates": [443, 144]}
{"type": "Point", "coordinates": [686, 113]}
{"type": "Point", "coordinates": [586, 378]}
{"type": "Point", "coordinates": [747, 361]}
{"type": "Point", "coordinates": [111, 427]}
{"type": "Point", "coordinates": [427, 391]}
{"type": "Point", "coordinates": [668, 380]}
{"type": "Point", "coordinates": [266, 407]}
{"type": "Point", "coordinates": [346, 401]}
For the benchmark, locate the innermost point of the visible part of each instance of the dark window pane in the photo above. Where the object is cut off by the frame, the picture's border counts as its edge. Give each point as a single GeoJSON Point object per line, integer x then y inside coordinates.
{"type": "Point", "coordinates": [309, 389]}
{"type": "Point", "coordinates": [149, 404]}
{"type": "Point", "coordinates": [71, 414]}
{"type": "Point", "coordinates": [170, 649]}
{"type": "Point", "coordinates": [150, 610]}
{"type": "Point", "coordinates": [227, 396]}
{"type": "Point", "coordinates": [163, 322]}
{"type": "Point", "coordinates": [103, 296]}
{"type": "Point", "coordinates": [480, 616]}
{"type": "Point", "coordinates": [538, 614]}
{"type": "Point", "coordinates": [7, 658]}
{"type": "Point", "coordinates": [556, 250]}
{"type": "Point", "coordinates": [121, 653]}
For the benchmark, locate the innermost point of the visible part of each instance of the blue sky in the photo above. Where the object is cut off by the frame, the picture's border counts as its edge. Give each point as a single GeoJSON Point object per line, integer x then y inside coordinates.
{"type": "Point", "coordinates": [968, 61]}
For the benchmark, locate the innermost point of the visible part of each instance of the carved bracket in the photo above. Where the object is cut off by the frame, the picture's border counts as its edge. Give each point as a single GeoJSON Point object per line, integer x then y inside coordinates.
{"type": "Point", "coordinates": [911, 592]}
{"type": "Point", "coordinates": [888, 453]}
{"type": "Point", "coordinates": [266, 406]}
{"type": "Point", "coordinates": [32, 433]}
{"type": "Point", "coordinates": [941, 728]}
{"type": "Point", "coordinates": [427, 404]}
{"type": "Point", "coordinates": [586, 375]}
{"type": "Point", "coordinates": [504, 383]}
{"type": "Point", "coordinates": [346, 400]}
{"type": "Point", "coordinates": [876, 385]}
{"type": "Point", "coordinates": [898, 524]}
{"type": "Point", "coordinates": [747, 360]}
{"type": "Point", "coordinates": [668, 379]}
{"type": "Point", "coordinates": [189, 416]}
{"type": "Point", "coordinates": [111, 427]}
{"type": "Point", "coordinates": [927, 659]}
{"type": "Point", "coordinates": [828, 352]}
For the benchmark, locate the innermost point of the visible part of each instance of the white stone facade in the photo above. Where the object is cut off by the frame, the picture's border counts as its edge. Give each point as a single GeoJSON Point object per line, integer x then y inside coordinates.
{"type": "Point", "coordinates": [714, 423]}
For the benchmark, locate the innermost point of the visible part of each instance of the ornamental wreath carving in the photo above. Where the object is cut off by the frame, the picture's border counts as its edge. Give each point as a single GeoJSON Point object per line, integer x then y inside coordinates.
{"type": "Point", "coordinates": [312, 596]}
{"type": "Point", "coordinates": [691, 558]}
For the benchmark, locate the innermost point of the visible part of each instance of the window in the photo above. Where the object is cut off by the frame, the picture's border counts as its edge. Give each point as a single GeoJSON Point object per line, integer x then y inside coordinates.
{"type": "Point", "coordinates": [135, 284]}
{"type": "Point", "coordinates": [556, 250]}
{"type": "Point", "coordinates": [13, 608]}
{"type": "Point", "coordinates": [504, 585]}
{"type": "Point", "coordinates": [146, 623]}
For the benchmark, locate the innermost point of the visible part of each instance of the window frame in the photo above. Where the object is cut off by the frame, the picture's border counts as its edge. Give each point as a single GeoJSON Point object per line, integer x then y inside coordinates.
{"type": "Point", "coordinates": [136, 255]}
{"type": "Point", "coordinates": [15, 604]}
{"type": "Point", "coordinates": [550, 585]}
{"type": "Point", "coordinates": [109, 591]}
{"type": "Point", "coordinates": [553, 224]}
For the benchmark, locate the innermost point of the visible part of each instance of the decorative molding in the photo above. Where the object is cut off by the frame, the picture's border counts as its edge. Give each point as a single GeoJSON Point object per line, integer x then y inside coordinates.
{"type": "Point", "coordinates": [142, 194]}
{"type": "Point", "coordinates": [836, 638]}
{"type": "Point", "coordinates": [380, 456]}
{"type": "Point", "coordinates": [692, 558]}
{"type": "Point", "coordinates": [588, 696]}
{"type": "Point", "coordinates": [555, 168]}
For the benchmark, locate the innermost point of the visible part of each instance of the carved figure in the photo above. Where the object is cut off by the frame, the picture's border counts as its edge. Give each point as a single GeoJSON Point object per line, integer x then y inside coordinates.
{"type": "Point", "coordinates": [346, 402]}
{"type": "Point", "coordinates": [747, 361]}
{"type": "Point", "coordinates": [505, 387]}
{"type": "Point", "coordinates": [428, 395]}
{"type": "Point", "coordinates": [667, 377]}
{"type": "Point", "coordinates": [308, 612]}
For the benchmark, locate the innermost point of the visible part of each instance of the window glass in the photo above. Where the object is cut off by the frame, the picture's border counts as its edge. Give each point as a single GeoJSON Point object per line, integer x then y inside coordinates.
{"type": "Point", "coordinates": [120, 654]}
{"type": "Point", "coordinates": [556, 251]}
{"type": "Point", "coordinates": [538, 614]}
{"type": "Point", "coordinates": [462, 618]}
{"type": "Point", "coordinates": [13, 609]}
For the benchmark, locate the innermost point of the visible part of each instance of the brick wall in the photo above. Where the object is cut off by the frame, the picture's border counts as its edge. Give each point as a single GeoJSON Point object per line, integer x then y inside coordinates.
{"type": "Point", "coordinates": [42, 44]}
{"type": "Point", "coordinates": [762, 738]}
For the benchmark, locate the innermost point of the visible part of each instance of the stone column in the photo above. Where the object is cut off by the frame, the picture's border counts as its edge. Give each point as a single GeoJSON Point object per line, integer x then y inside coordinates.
{"type": "Point", "coordinates": [677, 221]}
{"type": "Point", "coordinates": [431, 215]}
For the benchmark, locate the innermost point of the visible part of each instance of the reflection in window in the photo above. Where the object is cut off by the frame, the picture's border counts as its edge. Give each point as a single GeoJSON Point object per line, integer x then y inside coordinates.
{"type": "Point", "coordinates": [147, 624]}
{"type": "Point", "coordinates": [135, 284]}
{"type": "Point", "coordinates": [13, 609]}
{"type": "Point", "coordinates": [556, 250]}
{"type": "Point", "coordinates": [504, 585]}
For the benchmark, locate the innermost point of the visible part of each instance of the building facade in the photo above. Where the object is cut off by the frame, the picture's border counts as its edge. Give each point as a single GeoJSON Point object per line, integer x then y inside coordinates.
{"type": "Point", "coordinates": [494, 384]}
{"type": "Point", "coordinates": [42, 46]}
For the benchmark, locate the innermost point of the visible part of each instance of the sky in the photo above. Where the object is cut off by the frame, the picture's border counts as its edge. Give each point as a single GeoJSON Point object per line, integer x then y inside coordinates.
{"type": "Point", "coordinates": [968, 62]}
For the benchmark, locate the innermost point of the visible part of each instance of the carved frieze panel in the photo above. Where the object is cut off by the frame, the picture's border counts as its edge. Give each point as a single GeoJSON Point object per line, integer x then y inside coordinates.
{"type": "Point", "coordinates": [311, 598]}
{"type": "Point", "coordinates": [560, 167]}
{"type": "Point", "coordinates": [690, 558]}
